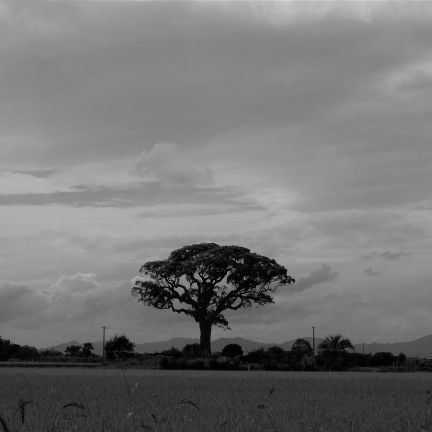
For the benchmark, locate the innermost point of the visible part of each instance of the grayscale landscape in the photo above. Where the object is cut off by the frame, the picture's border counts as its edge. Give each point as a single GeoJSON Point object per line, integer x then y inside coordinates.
{"type": "Point", "coordinates": [215, 216]}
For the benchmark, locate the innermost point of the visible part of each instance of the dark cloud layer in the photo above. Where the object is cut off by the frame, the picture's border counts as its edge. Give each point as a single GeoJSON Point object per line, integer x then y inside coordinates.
{"type": "Point", "coordinates": [129, 129]}
{"type": "Point", "coordinates": [148, 194]}
{"type": "Point", "coordinates": [18, 303]}
{"type": "Point", "coordinates": [116, 66]}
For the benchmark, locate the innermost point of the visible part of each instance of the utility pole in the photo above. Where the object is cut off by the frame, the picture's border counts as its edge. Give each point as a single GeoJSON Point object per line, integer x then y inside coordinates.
{"type": "Point", "coordinates": [103, 343]}
{"type": "Point", "coordinates": [313, 340]}
{"type": "Point", "coordinates": [363, 347]}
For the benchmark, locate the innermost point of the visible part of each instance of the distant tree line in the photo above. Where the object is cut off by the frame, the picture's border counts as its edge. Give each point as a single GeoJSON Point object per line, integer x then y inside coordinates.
{"type": "Point", "coordinates": [119, 347]}
{"type": "Point", "coordinates": [334, 353]}
{"type": "Point", "coordinates": [10, 350]}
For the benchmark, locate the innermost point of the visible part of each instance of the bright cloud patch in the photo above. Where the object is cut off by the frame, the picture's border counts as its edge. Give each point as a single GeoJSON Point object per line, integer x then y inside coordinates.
{"type": "Point", "coordinates": [12, 183]}
{"type": "Point", "coordinates": [415, 77]}
{"type": "Point", "coordinates": [168, 164]}
{"type": "Point", "coordinates": [79, 283]}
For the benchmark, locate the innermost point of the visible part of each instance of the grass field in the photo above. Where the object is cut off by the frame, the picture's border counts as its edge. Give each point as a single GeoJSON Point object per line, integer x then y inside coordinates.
{"type": "Point", "coordinates": [85, 400]}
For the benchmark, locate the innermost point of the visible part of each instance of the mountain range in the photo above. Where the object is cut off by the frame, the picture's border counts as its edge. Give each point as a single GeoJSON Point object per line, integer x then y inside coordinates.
{"type": "Point", "coordinates": [421, 347]}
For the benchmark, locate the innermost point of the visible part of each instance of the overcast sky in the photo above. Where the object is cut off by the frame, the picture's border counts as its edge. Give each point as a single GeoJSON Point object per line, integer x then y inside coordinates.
{"type": "Point", "coordinates": [300, 131]}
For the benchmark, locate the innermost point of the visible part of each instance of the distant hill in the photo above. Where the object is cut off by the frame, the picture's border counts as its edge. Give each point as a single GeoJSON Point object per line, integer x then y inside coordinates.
{"type": "Point", "coordinates": [151, 347]}
{"type": "Point", "coordinates": [421, 347]}
{"type": "Point", "coordinates": [246, 344]}
{"type": "Point", "coordinates": [61, 347]}
{"type": "Point", "coordinates": [287, 345]}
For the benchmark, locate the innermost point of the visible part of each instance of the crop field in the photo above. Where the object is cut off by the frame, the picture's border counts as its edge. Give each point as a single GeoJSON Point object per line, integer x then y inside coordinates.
{"type": "Point", "coordinates": [86, 400]}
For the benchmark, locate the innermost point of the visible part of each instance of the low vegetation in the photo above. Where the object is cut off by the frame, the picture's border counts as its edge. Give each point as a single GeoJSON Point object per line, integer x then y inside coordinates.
{"type": "Point", "coordinates": [40, 400]}
{"type": "Point", "coordinates": [334, 354]}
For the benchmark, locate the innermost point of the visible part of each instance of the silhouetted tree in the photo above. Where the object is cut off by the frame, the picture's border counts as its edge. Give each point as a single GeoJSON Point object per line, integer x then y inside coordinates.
{"type": "Point", "coordinates": [119, 347]}
{"type": "Point", "coordinates": [335, 344]}
{"type": "Point", "coordinates": [256, 356]}
{"type": "Point", "coordinates": [26, 352]}
{"type": "Point", "coordinates": [86, 349]}
{"type": "Point", "coordinates": [332, 352]}
{"type": "Point", "coordinates": [301, 347]}
{"type": "Point", "coordinates": [50, 354]}
{"type": "Point", "coordinates": [204, 280]}
{"type": "Point", "coordinates": [401, 359]}
{"type": "Point", "coordinates": [275, 351]}
{"type": "Point", "coordinates": [5, 346]}
{"type": "Point", "coordinates": [10, 350]}
{"type": "Point", "coordinates": [232, 350]}
{"type": "Point", "coordinates": [14, 350]}
{"type": "Point", "coordinates": [355, 359]}
{"type": "Point", "coordinates": [73, 350]}
{"type": "Point", "coordinates": [172, 352]}
{"type": "Point", "coordinates": [383, 359]}
{"type": "Point", "coordinates": [192, 350]}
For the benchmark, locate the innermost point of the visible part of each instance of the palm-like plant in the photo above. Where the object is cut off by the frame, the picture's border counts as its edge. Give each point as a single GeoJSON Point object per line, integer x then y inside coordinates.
{"type": "Point", "coordinates": [335, 344]}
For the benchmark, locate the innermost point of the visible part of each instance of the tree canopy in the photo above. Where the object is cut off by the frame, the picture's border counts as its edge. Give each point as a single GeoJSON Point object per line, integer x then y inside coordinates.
{"type": "Point", "coordinates": [87, 349]}
{"type": "Point", "coordinates": [335, 344]}
{"type": "Point", "coordinates": [204, 280]}
{"type": "Point", "coordinates": [73, 350]}
{"type": "Point", "coordinates": [232, 350]}
{"type": "Point", "coordinates": [118, 347]}
{"type": "Point", "coordinates": [191, 350]}
{"type": "Point", "coordinates": [302, 347]}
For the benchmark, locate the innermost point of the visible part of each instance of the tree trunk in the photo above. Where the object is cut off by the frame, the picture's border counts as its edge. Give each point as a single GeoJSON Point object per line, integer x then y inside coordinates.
{"type": "Point", "coordinates": [205, 338]}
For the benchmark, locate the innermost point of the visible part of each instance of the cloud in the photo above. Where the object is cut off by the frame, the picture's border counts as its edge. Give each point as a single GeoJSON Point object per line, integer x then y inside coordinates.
{"type": "Point", "coordinates": [414, 77]}
{"type": "Point", "coordinates": [71, 304]}
{"type": "Point", "coordinates": [16, 183]}
{"type": "Point", "coordinates": [18, 303]}
{"type": "Point", "coordinates": [371, 272]}
{"type": "Point", "coordinates": [40, 173]}
{"type": "Point", "coordinates": [300, 131]}
{"type": "Point", "coordinates": [78, 283]}
{"type": "Point", "coordinates": [166, 163]}
{"type": "Point", "coordinates": [321, 275]}
{"type": "Point", "coordinates": [387, 254]}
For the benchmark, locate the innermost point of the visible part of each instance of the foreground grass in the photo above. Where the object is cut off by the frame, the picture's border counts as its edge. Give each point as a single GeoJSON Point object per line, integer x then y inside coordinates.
{"type": "Point", "coordinates": [191, 401]}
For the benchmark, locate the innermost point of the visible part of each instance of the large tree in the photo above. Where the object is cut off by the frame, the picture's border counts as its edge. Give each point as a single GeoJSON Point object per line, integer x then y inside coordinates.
{"type": "Point", "coordinates": [204, 280]}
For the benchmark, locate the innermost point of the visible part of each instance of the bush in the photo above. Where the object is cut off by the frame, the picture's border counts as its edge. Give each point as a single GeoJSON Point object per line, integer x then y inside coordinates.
{"type": "Point", "coordinates": [383, 359]}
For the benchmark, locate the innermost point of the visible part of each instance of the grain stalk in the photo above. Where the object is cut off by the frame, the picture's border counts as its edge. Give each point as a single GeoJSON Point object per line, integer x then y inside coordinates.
{"type": "Point", "coordinates": [4, 425]}
{"type": "Point", "coordinates": [21, 408]}
{"type": "Point", "coordinates": [123, 369]}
